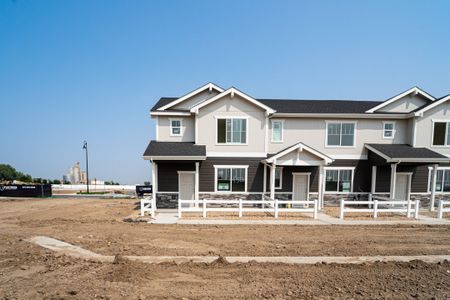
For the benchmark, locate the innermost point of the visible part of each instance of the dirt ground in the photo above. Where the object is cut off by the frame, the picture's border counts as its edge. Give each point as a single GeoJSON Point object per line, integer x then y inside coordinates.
{"type": "Point", "coordinates": [30, 272]}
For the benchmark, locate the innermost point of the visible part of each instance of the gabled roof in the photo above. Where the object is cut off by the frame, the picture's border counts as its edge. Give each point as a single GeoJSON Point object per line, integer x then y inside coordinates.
{"type": "Point", "coordinates": [421, 110]}
{"type": "Point", "coordinates": [406, 153]}
{"type": "Point", "coordinates": [209, 86]}
{"type": "Point", "coordinates": [302, 147]}
{"type": "Point", "coordinates": [415, 89]}
{"type": "Point", "coordinates": [175, 150]}
{"type": "Point", "coordinates": [232, 91]}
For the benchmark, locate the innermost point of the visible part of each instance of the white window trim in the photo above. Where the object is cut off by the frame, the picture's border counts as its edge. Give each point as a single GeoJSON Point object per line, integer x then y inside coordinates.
{"type": "Point", "coordinates": [384, 130]}
{"type": "Point", "coordinates": [338, 168]}
{"type": "Point", "coordinates": [231, 186]}
{"type": "Point", "coordinates": [232, 117]}
{"type": "Point", "coordinates": [341, 122]}
{"type": "Point", "coordinates": [181, 126]}
{"type": "Point", "coordinates": [282, 131]}
{"type": "Point", "coordinates": [430, 170]}
{"type": "Point", "coordinates": [446, 133]}
{"type": "Point", "coordinates": [281, 178]}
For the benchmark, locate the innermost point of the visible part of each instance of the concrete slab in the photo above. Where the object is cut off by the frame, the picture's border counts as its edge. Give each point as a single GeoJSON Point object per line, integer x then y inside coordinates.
{"type": "Point", "coordinates": [165, 218]}
{"type": "Point", "coordinates": [78, 252]}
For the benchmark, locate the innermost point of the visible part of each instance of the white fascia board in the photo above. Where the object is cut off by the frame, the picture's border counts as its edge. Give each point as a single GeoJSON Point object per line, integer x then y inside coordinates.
{"type": "Point", "coordinates": [327, 159]}
{"type": "Point", "coordinates": [405, 93]}
{"type": "Point", "coordinates": [342, 116]}
{"type": "Point", "coordinates": [233, 92]}
{"type": "Point", "coordinates": [419, 159]}
{"type": "Point", "coordinates": [174, 157]}
{"type": "Point", "coordinates": [169, 113]}
{"type": "Point", "coordinates": [419, 113]}
{"type": "Point", "coordinates": [191, 94]}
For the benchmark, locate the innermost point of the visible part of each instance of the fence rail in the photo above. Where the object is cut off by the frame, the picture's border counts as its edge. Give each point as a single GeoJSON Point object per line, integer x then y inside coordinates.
{"type": "Point", "coordinates": [443, 209]}
{"type": "Point", "coordinates": [242, 206]}
{"type": "Point", "coordinates": [381, 205]}
{"type": "Point", "coordinates": [147, 206]}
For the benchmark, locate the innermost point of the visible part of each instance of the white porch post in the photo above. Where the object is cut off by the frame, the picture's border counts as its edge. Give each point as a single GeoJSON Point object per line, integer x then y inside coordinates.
{"type": "Point", "coordinates": [265, 179]}
{"type": "Point", "coordinates": [272, 180]}
{"type": "Point", "coordinates": [433, 188]}
{"type": "Point", "coordinates": [321, 186]}
{"type": "Point", "coordinates": [154, 183]}
{"type": "Point", "coordinates": [374, 180]}
{"type": "Point", "coordinates": [393, 180]}
{"type": "Point", "coordinates": [197, 183]}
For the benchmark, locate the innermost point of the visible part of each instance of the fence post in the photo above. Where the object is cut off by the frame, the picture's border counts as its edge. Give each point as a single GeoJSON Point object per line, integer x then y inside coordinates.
{"type": "Point", "coordinates": [416, 209]}
{"type": "Point", "coordinates": [316, 209]}
{"type": "Point", "coordinates": [342, 209]}
{"type": "Point", "coordinates": [240, 208]}
{"type": "Point", "coordinates": [408, 208]}
{"type": "Point", "coordinates": [375, 209]}
{"type": "Point", "coordinates": [179, 209]}
{"type": "Point", "coordinates": [152, 210]}
{"type": "Point", "coordinates": [370, 200]}
{"type": "Point", "coordinates": [276, 208]}
{"type": "Point", "coordinates": [204, 208]}
{"type": "Point", "coordinates": [440, 209]}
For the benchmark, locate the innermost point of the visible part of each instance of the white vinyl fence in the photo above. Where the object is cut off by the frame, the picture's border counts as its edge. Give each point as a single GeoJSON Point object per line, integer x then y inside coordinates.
{"type": "Point", "coordinates": [244, 206]}
{"type": "Point", "coordinates": [443, 208]}
{"type": "Point", "coordinates": [147, 206]}
{"type": "Point", "coordinates": [377, 205]}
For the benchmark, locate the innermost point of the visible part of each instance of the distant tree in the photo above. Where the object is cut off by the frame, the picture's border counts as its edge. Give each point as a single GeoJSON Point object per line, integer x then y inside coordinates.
{"type": "Point", "coordinates": [56, 181]}
{"type": "Point", "coordinates": [147, 183]}
{"type": "Point", "coordinates": [7, 173]}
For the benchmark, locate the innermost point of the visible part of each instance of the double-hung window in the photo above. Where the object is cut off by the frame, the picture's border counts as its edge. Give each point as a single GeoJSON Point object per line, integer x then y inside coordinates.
{"type": "Point", "coordinates": [231, 179]}
{"type": "Point", "coordinates": [277, 131]}
{"type": "Point", "coordinates": [338, 180]}
{"type": "Point", "coordinates": [341, 134]}
{"type": "Point", "coordinates": [388, 130]}
{"type": "Point", "coordinates": [442, 180]}
{"type": "Point", "coordinates": [175, 127]}
{"type": "Point", "coordinates": [441, 134]}
{"type": "Point", "coordinates": [231, 131]}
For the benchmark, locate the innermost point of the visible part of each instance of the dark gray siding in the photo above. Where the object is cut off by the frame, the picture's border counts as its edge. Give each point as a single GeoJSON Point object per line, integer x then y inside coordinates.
{"type": "Point", "coordinates": [287, 178]}
{"type": "Point", "coordinates": [419, 180]}
{"type": "Point", "coordinates": [362, 176]}
{"type": "Point", "coordinates": [168, 174]}
{"type": "Point", "coordinates": [255, 172]}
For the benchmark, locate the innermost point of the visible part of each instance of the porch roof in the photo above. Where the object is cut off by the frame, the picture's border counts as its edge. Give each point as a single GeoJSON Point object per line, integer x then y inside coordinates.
{"type": "Point", "coordinates": [174, 151]}
{"type": "Point", "coordinates": [298, 147]}
{"type": "Point", "coordinates": [393, 153]}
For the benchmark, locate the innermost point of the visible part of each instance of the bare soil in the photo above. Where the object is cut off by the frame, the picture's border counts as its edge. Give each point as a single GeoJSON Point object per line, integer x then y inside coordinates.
{"type": "Point", "coordinates": [30, 272]}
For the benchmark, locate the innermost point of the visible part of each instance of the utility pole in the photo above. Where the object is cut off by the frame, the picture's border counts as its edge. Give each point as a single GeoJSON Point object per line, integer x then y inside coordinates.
{"type": "Point", "coordinates": [85, 147]}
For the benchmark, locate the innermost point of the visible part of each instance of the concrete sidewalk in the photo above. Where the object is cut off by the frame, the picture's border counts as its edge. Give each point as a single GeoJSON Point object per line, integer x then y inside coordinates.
{"type": "Point", "coordinates": [171, 217]}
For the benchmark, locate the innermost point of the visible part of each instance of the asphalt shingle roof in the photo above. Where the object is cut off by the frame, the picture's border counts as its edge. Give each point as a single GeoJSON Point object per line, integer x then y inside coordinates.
{"type": "Point", "coordinates": [155, 148]}
{"type": "Point", "coordinates": [406, 151]}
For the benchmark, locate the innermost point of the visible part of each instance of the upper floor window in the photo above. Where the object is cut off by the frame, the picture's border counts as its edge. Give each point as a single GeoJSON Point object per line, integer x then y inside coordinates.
{"type": "Point", "coordinates": [175, 127]}
{"type": "Point", "coordinates": [441, 134]}
{"type": "Point", "coordinates": [231, 131]}
{"type": "Point", "coordinates": [388, 130]}
{"type": "Point", "coordinates": [277, 131]}
{"type": "Point", "coordinates": [338, 180]}
{"type": "Point", "coordinates": [341, 134]}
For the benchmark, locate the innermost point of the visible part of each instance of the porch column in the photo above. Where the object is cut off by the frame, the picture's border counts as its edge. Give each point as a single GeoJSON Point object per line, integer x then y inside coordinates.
{"type": "Point", "coordinates": [272, 180]}
{"type": "Point", "coordinates": [265, 179]}
{"type": "Point", "coordinates": [154, 183]}
{"type": "Point", "coordinates": [433, 188]}
{"type": "Point", "coordinates": [393, 180]}
{"type": "Point", "coordinates": [197, 183]}
{"type": "Point", "coordinates": [320, 187]}
{"type": "Point", "coordinates": [374, 180]}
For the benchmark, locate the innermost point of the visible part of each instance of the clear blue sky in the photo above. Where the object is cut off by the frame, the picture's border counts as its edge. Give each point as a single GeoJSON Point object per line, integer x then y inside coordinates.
{"type": "Point", "coordinates": [75, 70]}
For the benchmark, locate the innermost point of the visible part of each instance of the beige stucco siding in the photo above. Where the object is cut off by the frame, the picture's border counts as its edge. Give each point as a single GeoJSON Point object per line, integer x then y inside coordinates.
{"type": "Point", "coordinates": [405, 104]}
{"type": "Point", "coordinates": [231, 107]}
{"type": "Point", "coordinates": [187, 129]}
{"type": "Point", "coordinates": [313, 133]}
{"type": "Point", "coordinates": [188, 103]}
{"type": "Point", "coordinates": [424, 127]}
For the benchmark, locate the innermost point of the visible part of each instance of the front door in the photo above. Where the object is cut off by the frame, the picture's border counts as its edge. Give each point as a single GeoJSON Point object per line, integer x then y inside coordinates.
{"type": "Point", "coordinates": [186, 185]}
{"type": "Point", "coordinates": [300, 187]}
{"type": "Point", "coordinates": [402, 186]}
